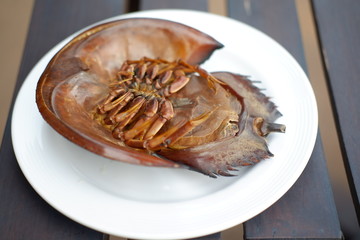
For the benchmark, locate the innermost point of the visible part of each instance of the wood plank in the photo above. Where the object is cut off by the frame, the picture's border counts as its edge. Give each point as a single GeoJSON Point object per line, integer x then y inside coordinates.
{"type": "Point", "coordinates": [24, 215]}
{"type": "Point", "coordinates": [303, 212]}
{"type": "Point", "coordinates": [288, 218]}
{"type": "Point", "coordinates": [200, 5]}
{"type": "Point", "coordinates": [215, 236]}
{"type": "Point", "coordinates": [276, 18]}
{"type": "Point", "coordinates": [338, 27]}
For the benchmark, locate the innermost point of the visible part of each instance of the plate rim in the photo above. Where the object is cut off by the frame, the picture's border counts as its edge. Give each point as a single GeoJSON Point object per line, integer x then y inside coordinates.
{"type": "Point", "coordinates": [137, 14]}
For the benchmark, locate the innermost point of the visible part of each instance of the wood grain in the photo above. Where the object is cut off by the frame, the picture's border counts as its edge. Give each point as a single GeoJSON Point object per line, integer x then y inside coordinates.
{"type": "Point", "coordinates": [303, 212]}
{"type": "Point", "coordinates": [200, 5]}
{"type": "Point", "coordinates": [338, 27]}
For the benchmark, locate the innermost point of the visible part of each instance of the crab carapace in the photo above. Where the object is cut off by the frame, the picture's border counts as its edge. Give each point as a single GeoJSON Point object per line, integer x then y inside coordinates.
{"type": "Point", "coordinates": [133, 90]}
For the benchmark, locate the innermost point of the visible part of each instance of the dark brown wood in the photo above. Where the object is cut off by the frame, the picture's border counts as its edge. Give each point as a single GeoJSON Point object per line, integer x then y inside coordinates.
{"type": "Point", "coordinates": [200, 5]}
{"type": "Point", "coordinates": [23, 214]}
{"type": "Point", "coordinates": [276, 18]}
{"type": "Point", "coordinates": [307, 210]}
{"type": "Point", "coordinates": [215, 236]}
{"type": "Point", "coordinates": [338, 27]}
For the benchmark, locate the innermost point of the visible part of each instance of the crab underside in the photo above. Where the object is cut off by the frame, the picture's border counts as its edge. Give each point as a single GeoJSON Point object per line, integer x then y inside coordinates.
{"type": "Point", "coordinates": [132, 90]}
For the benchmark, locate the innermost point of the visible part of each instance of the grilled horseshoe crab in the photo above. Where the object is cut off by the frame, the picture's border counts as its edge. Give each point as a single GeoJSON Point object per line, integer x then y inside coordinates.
{"type": "Point", "coordinates": [132, 90]}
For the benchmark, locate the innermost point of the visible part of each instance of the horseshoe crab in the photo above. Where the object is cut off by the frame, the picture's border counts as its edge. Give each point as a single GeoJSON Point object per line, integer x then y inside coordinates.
{"type": "Point", "coordinates": [132, 90]}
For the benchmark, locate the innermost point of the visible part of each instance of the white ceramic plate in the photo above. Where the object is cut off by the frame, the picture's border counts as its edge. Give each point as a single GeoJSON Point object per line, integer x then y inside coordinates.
{"type": "Point", "coordinates": [157, 203]}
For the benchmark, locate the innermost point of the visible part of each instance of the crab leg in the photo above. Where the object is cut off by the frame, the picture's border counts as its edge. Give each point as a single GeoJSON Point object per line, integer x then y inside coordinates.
{"type": "Point", "coordinates": [125, 117]}
{"type": "Point", "coordinates": [107, 102]}
{"type": "Point", "coordinates": [135, 132]}
{"type": "Point", "coordinates": [152, 125]}
{"type": "Point", "coordinates": [211, 80]}
{"type": "Point", "coordinates": [151, 73]}
{"type": "Point", "coordinates": [128, 72]}
{"type": "Point", "coordinates": [110, 105]}
{"type": "Point", "coordinates": [164, 79]}
{"type": "Point", "coordinates": [175, 86]}
{"type": "Point", "coordinates": [178, 84]}
{"type": "Point", "coordinates": [119, 104]}
{"type": "Point", "coordinates": [134, 107]}
{"type": "Point", "coordinates": [141, 70]}
{"type": "Point", "coordinates": [144, 122]}
{"type": "Point", "coordinates": [166, 113]}
{"type": "Point", "coordinates": [168, 138]}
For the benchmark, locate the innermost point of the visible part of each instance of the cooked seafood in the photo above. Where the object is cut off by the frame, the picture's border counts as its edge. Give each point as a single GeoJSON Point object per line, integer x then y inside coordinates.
{"type": "Point", "coordinates": [132, 90]}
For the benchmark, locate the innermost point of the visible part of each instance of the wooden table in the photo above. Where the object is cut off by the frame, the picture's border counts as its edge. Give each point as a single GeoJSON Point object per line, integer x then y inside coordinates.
{"type": "Point", "coordinates": [306, 211]}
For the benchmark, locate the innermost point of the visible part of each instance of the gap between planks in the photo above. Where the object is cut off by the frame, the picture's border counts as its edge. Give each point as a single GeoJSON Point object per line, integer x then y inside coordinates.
{"type": "Point", "coordinates": [218, 7]}
{"type": "Point", "coordinates": [327, 126]}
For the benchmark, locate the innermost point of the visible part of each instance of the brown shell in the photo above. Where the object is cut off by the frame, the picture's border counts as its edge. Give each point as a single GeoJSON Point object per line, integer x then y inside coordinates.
{"type": "Point", "coordinates": [245, 147]}
{"type": "Point", "coordinates": [76, 78]}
